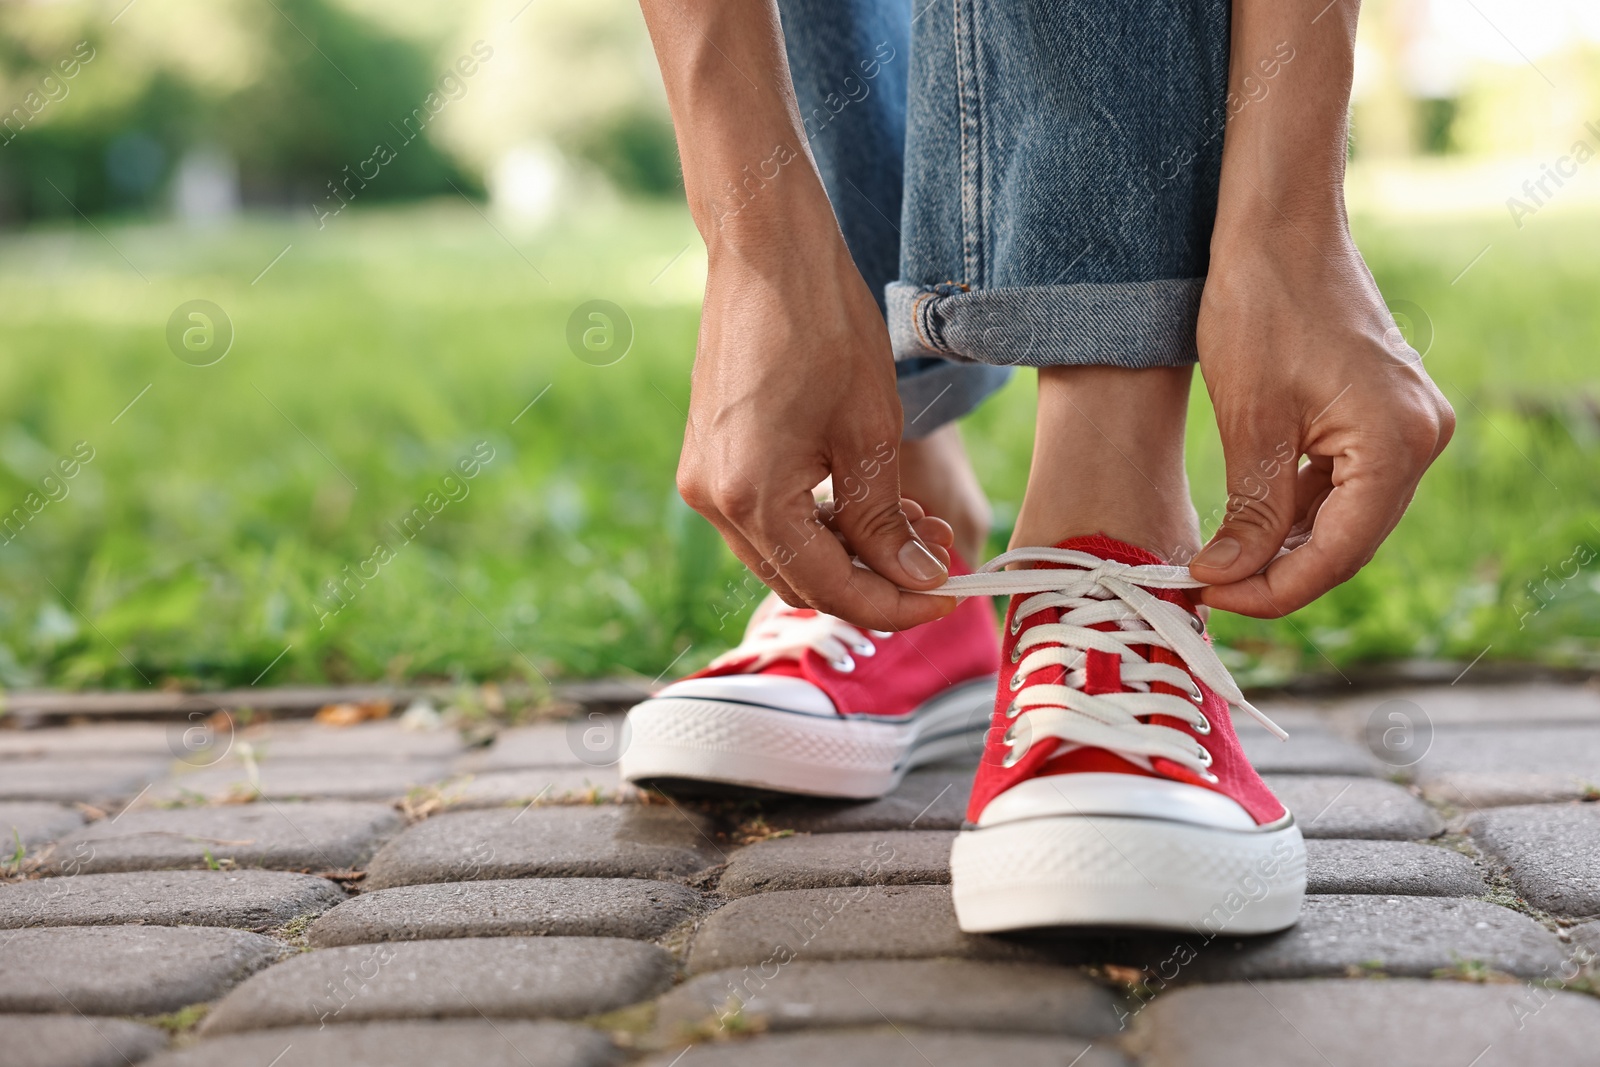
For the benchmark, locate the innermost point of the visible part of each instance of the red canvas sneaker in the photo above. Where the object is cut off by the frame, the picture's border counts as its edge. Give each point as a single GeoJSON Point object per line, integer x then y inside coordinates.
{"type": "Point", "coordinates": [808, 703]}
{"type": "Point", "coordinates": [1113, 791]}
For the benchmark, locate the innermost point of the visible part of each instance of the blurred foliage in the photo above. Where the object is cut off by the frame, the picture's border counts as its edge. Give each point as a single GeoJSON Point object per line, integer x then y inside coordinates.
{"type": "Point", "coordinates": [635, 149]}
{"type": "Point", "coordinates": [196, 545]}
{"type": "Point", "coordinates": [321, 87]}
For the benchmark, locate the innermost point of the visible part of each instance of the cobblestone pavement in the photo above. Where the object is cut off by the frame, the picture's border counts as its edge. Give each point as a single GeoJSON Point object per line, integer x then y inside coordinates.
{"type": "Point", "coordinates": [297, 894]}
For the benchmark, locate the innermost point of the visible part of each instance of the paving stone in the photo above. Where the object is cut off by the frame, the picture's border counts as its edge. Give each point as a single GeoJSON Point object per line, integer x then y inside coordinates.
{"type": "Point", "coordinates": [1490, 766]}
{"type": "Point", "coordinates": [887, 857]}
{"type": "Point", "coordinates": [99, 739]}
{"type": "Point", "coordinates": [586, 907]}
{"type": "Point", "coordinates": [1447, 707]}
{"type": "Point", "coordinates": [75, 1041]}
{"type": "Point", "coordinates": [34, 822]}
{"type": "Point", "coordinates": [504, 1043]}
{"type": "Point", "coordinates": [1309, 750]}
{"type": "Point", "coordinates": [1337, 806]}
{"type": "Point", "coordinates": [1552, 852]}
{"type": "Point", "coordinates": [544, 744]}
{"type": "Point", "coordinates": [1342, 934]}
{"type": "Point", "coordinates": [1401, 868]}
{"type": "Point", "coordinates": [125, 970]}
{"type": "Point", "coordinates": [472, 978]}
{"type": "Point", "coordinates": [254, 899]}
{"type": "Point", "coordinates": [949, 994]}
{"type": "Point", "coordinates": [383, 740]}
{"type": "Point", "coordinates": [372, 779]}
{"type": "Point", "coordinates": [890, 1048]}
{"type": "Point", "coordinates": [68, 779]}
{"type": "Point", "coordinates": [1397, 1023]}
{"type": "Point", "coordinates": [864, 922]}
{"type": "Point", "coordinates": [931, 798]}
{"type": "Point", "coordinates": [613, 841]}
{"type": "Point", "coordinates": [314, 835]}
{"type": "Point", "coordinates": [545, 785]}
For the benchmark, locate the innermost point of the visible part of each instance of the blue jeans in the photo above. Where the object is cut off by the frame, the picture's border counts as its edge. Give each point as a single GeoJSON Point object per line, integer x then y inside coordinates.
{"type": "Point", "coordinates": [1030, 182]}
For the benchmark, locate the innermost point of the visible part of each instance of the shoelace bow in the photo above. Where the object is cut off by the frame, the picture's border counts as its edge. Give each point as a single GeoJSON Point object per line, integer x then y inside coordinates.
{"type": "Point", "coordinates": [783, 634]}
{"type": "Point", "coordinates": [1092, 591]}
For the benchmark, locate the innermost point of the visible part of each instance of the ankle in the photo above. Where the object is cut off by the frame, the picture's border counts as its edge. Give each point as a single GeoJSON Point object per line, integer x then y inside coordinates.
{"type": "Point", "coordinates": [1108, 458]}
{"type": "Point", "coordinates": [936, 473]}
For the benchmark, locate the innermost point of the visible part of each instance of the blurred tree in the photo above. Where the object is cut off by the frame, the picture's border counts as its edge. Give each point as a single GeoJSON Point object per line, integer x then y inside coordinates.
{"type": "Point", "coordinates": [323, 88]}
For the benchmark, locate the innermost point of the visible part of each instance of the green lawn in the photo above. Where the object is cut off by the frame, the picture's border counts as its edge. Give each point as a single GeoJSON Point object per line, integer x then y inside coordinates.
{"type": "Point", "coordinates": [196, 544]}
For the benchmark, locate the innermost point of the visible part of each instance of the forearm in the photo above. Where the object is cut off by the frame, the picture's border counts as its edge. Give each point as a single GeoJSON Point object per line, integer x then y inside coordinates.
{"type": "Point", "coordinates": [747, 169]}
{"type": "Point", "coordinates": [1289, 93]}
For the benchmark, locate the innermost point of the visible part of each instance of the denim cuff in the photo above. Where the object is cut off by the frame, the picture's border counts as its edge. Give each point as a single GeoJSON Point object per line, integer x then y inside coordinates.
{"type": "Point", "coordinates": [1125, 324]}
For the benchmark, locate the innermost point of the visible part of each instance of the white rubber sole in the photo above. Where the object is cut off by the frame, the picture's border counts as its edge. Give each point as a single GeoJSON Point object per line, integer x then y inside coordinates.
{"type": "Point", "coordinates": [745, 745]}
{"type": "Point", "coordinates": [1115, 871]}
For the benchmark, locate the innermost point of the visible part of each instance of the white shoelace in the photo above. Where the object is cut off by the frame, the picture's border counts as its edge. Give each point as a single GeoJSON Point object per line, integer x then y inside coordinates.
{"type": "Point", "coordinates": [779, 634]}
{"type": "Point", "coordinates": [1091, 591]}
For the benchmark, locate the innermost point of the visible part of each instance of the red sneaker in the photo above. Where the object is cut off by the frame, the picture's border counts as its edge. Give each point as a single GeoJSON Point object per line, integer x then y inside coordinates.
{"type": "Point", "coordinates": [808, 703]}
{"type": "Point", "coordinates": [1113, 791]}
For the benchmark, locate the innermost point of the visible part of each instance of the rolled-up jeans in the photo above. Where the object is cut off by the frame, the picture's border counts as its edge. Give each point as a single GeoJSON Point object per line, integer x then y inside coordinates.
{"type": "Point", "coordinates": [1028, 182]}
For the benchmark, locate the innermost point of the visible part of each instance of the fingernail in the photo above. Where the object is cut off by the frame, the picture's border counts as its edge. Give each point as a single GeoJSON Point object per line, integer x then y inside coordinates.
{"type": "Point", "coordinates": [919, 562]}
{"type": "Point", "coordinates": [1217, 554]}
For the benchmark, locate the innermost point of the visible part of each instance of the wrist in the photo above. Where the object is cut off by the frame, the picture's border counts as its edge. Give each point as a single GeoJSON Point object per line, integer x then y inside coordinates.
{"type": "Point", "coordinates": [782, 224]}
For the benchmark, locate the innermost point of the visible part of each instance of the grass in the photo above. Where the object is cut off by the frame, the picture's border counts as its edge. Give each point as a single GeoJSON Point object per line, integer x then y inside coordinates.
{"type": "Point", "coordinates": [196, 546]}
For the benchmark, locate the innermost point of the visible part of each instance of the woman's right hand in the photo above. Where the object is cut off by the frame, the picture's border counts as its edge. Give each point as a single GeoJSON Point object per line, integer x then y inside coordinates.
{"type": "Point", "coordinates": [793, 383]}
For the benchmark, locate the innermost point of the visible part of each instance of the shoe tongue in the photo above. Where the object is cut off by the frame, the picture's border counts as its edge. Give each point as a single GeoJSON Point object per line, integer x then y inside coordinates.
{"type": "Point", "coordinates": [1108, 548]}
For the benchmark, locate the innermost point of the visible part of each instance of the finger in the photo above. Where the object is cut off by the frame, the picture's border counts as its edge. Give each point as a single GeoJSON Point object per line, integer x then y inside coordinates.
{"type": "Point", "coordinates": [870, 514]}
{"type": "Point", "coordinates": [819, 569]}
{"type": "Point", "coordinates": [936, 534]}
{"type": "Point", "coordinates": [1364, 505]}
{"type": "Point", "coordinates": [1261, 503]}
{"type": "Point", "coordinates": [759, 565]}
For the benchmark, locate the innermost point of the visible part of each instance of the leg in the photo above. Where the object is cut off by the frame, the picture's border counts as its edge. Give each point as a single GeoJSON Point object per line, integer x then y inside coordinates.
{"type": "Point", "coordinates": [1108, 458]}
{"type": "Point", "coordinates": [936, 473]}
{"type": "Point", "coordinates": [1058, 215]}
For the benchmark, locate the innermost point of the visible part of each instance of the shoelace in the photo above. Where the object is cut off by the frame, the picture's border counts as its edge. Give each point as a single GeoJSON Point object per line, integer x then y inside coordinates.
{"type": "Point", "coordinates": [1091, 591]}
{"type": "Point", "coordinates": [782, 634]}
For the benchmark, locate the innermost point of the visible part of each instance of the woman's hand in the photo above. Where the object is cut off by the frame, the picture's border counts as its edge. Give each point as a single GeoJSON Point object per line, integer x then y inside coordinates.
{"type": "Point", "coordinates": [793, 383]}
{"type": "Point", "coordinates": [1302, 358]}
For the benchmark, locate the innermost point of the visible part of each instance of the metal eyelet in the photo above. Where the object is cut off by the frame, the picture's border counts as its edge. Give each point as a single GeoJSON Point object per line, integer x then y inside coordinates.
{"type": "Point", "coordinates": [1016, 653]}
{"type": "Point", "coordinates": [866, 650]}
{"type": "Point", "coordinates": [1204, 726]}
{"type": "Point", "coordinates": [1198, 624]}
{"type": "Point", "coordinates": [1207, 776]}
{"type": "Point", "coordinates": [1016, 682]}
{"type": "Point", "coordinates": [1012, 711]}
{"type": "Point", "coordinates": [1197, 696]}
{"type": "Point", "coordinates": [1205, 756]}
{"type": "Point", "coordinates": [844, 664]}
{"type": "Point", "coordinates": [1016, 624]}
